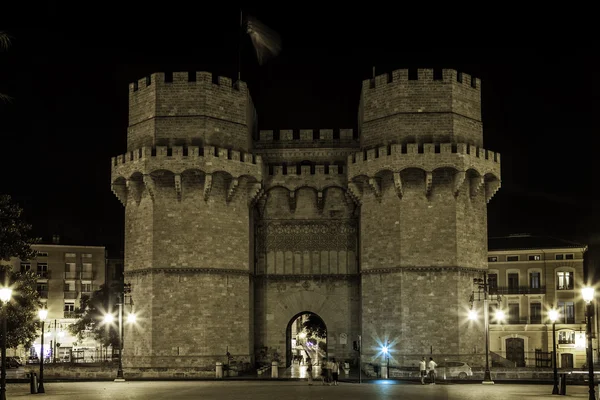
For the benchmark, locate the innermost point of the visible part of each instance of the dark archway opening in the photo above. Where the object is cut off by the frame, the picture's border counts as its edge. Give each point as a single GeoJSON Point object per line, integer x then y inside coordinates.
{"type": "Point", "coordinates": [306, 337]}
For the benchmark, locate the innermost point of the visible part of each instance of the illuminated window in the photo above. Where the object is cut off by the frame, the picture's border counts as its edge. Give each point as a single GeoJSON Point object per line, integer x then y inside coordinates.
{"type": "Point", "coordinates": [566, 311]}
{"type": "Point", "coordinates": [535, 313]}
{"type": "Point", "coordinates": [492, 259]}
{"type": "Point", "coordinates": [513, 281]}
{"type": "Point", "coordinates": [564, 280]}
{"type": "Point", "coordinates": [535, 257]}
{"type": "Point", "coordinates": [535, 280]}
{"type": "Point", "coordinates": [566, 337]}
{"type": "Point", "coordinates": [513, 313]}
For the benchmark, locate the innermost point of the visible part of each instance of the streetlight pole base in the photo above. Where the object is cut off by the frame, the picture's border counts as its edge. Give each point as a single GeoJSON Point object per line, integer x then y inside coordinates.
{"type": "Point", "coordinates": [487, 377]}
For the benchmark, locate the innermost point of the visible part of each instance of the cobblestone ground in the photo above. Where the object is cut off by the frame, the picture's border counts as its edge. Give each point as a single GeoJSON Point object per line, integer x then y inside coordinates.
{"type": "Point", "coordinates": [288, 390]}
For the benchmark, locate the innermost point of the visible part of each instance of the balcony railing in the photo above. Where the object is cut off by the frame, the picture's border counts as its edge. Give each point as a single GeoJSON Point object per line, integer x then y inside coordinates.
{"type": "Point", "coordinates": [43, 294]}
{"type": "Point", "coordinates": [43, 274]}
{"type": "Point", "coordinates": [518, 290]}
{"type": "Point", "coordinates": [70, 295]}
{"type": "Point", "coordinates": [70, 314]}
{"type": "Point", "coordinates": [86, 275]}
{"type": "Point", "coordinates": [70, 275]}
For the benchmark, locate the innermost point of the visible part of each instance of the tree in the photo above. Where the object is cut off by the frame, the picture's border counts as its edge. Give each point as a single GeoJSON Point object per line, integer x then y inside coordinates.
{"type": "Point", "coordinates": [4, 44]}
{"type": "Point", "coordinates": [14, 232]}
{"type": "Point", "coordinates": [91, 314]}
{"type": "Point", "coordinates": [22, 324]}
{"type": "Point", "coordinates": [21, 311]}
{"type": "Point", "coordinates": [315, 327]}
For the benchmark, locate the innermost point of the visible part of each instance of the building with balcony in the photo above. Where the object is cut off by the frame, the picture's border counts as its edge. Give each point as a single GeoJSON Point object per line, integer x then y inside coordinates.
{"type": "Point", "coordinates": [65, 273]}
{"type": "Point", "coordinates": [531, 275]}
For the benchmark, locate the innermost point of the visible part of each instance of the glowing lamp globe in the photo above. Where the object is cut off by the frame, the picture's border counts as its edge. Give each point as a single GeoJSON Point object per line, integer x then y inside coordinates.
{"type": "Point", "coordinates": [588, 294]}
{"type": "Point", "coordinates": [5, 294]}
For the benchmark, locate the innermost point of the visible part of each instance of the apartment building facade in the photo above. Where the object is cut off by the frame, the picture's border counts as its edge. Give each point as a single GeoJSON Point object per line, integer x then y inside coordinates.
{"type": "Point", "coordinates": [65, 273]}
{"type": "Point", "coordinates": [529, 276]}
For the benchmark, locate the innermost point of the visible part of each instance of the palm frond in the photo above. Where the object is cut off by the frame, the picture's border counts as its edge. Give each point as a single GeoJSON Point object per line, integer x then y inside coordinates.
{"type": "Point", "coordinates": [4, 98]}
{"type": "Point", "coordinates": [4, 40]}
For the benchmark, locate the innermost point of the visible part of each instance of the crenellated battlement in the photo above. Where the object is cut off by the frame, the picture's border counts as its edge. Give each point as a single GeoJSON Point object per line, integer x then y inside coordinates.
{"type": "Point", "coordinates": [395, 150]}
{"type": "Point", "coordinates": [175, 80]}
{"type": "Point", "coordinates": [484, 165]}
{"type": "Point", "coordinates": [185, 152]}
{"type": "Point", "coordinates": [181, 158]}
{"type": "Point", "coordinates": [301, 138]}
{"type": "Point", "coordinates": [316, 176]}
{"type": "Point", "coordinates": [423, 76]}
{"type": "Point", "coordinates": [305, 170]}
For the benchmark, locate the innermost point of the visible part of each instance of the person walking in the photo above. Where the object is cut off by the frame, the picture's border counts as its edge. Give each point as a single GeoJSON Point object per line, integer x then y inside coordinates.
{"type": "Point", "coordinates": [309, 371]}
{"type": "Point", "coordinates": [422, 370]}
{"type": "Point", "coordinates": [325, 370]}
{"type": "Point", "coordinates": [432, 364]}
{"type": "Point", "coordinates": [335, 371]}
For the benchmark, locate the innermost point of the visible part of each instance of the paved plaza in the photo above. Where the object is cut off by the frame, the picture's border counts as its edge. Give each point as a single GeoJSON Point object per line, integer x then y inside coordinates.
{"type": "Point", "coordinates": [289, 390]}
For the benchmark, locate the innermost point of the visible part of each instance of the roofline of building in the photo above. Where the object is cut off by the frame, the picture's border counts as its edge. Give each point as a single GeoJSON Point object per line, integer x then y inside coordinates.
{"type": "Point", "coordinates": [68, 245]}
{"type": "Point", "coordinates": [542, 249]}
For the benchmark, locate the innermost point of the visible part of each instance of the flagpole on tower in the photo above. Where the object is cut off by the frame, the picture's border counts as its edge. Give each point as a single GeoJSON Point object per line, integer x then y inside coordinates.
{"type": "Point", "coordinates": [239, 77]}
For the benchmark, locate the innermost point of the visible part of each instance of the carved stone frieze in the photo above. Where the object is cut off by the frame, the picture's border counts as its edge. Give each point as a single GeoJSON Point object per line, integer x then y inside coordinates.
{"type": "Point", "coordinates": [307, 235]}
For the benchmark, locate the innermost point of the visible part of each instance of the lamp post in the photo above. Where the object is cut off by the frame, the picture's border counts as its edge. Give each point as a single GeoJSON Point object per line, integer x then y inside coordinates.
{"type": "Point", "coordinates": [588, 295]}
{"type": "Point", "coordinates": [131, 318]}
{"type": "Point", "coordinates": [386, 351]}
{"type": "Point", "coordinates": [483, 289]}
{"type": "Point", "coordinates": [120, 377]}
{"type": "Point", "coordinates": [553, 315]}
{"type": "Point", "coordinates": [43, 314]}
{"type": "Point", "coordinates": [5, 295]}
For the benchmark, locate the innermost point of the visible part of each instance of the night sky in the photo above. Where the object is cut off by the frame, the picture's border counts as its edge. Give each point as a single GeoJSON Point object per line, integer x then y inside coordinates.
{"type": "Point", "coordinates": [69, 117]}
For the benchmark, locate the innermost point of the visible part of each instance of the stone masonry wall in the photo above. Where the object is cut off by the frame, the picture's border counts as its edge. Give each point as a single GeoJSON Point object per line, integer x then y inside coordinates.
{"type": "Point", "coordinates": [413, 231]}
{"type": "Point", "coordinates": [197, 317]}
{"type": "Point", "coordinates": [193, 232]}
{"type": "Point", "coordinates": [138, 338]}
{"type": "Point", "coordinates": [139, 229]}
{"type": "Point", "coordinates": [420, 312]}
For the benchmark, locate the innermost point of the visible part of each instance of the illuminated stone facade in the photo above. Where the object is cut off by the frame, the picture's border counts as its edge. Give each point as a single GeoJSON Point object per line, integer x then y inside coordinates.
{"type": "Point", "coordinates": [231, 232]}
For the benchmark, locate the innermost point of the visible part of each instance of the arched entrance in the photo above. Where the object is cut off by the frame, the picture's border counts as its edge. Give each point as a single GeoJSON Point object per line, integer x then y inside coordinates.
{"type": "Point", "coordinates": [306, 336]}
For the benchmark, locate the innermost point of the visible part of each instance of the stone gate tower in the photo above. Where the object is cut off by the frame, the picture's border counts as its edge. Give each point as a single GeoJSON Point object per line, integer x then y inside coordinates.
{"type": "Point", "coordinates": [186, 182]}
{"type": "Point", "coordinates": [422, 180]}
{"type": "Point", "coordinates": [228, 240]}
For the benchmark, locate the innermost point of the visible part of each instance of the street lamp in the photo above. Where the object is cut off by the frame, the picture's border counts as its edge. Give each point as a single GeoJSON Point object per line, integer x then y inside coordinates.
{"type": "Point", "coordinates": [43, 314]}
{"type": "Point", "coordinates": [131, 318]}
{"type": "Point", "coordinates": [120, 377]}
{"type": "Point", "coordinates": [553, 315]}
{"type": "Point", "coordinates": [588, 295]}
{"type": "Point", "coordinates": [5, 295]}
{"type": "Point", "coordinates": [386, 351]}
{"type": "Point", "coordinates": [483, 286]}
